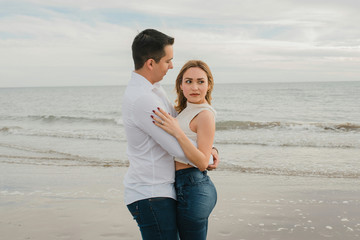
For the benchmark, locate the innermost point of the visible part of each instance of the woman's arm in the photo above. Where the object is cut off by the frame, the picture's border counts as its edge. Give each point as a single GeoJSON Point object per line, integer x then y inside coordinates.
{"type": "Point", "coordinates": [204, 126]}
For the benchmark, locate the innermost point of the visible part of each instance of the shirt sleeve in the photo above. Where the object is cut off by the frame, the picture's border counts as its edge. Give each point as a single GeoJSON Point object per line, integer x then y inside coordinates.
{"type": "Point", "coordinates": [143, 109]}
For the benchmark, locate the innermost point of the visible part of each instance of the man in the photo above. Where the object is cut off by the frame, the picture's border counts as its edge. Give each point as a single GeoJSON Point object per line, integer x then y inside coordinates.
{"type": "Point", "coordinates": [149, 182]}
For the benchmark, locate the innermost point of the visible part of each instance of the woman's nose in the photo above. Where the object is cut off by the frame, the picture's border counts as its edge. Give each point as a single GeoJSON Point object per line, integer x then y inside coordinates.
{"type": "Point", "coordinates": [194, 86]}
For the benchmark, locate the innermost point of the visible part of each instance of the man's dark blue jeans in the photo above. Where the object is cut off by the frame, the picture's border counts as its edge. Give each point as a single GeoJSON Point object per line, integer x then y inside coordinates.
{"type": "Point", "coordinates": [156, 218]}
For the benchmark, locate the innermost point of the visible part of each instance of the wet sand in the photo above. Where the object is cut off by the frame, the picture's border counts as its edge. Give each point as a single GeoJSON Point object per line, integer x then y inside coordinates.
{"type": "Point", "coordinates": [52, 202]}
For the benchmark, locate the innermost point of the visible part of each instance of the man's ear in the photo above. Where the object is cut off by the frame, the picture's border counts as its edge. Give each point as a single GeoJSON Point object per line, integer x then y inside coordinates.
{"type": "Point", "coordinates": [149, 64]}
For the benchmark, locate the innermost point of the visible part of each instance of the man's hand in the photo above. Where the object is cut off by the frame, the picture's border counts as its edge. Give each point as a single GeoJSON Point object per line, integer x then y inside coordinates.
{"type": "Point", "coordinates": [216, 158]}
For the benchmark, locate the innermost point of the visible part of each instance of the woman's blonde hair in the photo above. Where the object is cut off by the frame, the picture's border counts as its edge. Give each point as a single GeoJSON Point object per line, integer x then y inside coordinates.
{"type": "Point", "coordinates": [181, 99]}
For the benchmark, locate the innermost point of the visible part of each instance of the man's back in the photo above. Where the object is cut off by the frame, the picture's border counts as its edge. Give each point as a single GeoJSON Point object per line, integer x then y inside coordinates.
{"type": "Point", "coordinates": [151, 171]}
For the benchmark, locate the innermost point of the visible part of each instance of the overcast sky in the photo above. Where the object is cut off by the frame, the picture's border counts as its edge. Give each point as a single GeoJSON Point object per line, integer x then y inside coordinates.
{"type": "Point", "coordinates": [88, 42]}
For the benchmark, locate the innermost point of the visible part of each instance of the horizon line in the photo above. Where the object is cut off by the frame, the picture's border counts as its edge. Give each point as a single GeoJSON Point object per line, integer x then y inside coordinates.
{"type": "Point", "coordinates": [168, 84]}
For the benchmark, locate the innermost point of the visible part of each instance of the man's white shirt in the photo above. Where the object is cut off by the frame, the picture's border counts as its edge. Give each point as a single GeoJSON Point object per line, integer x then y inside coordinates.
{"type": "Point", "coordinates": [150, 149]}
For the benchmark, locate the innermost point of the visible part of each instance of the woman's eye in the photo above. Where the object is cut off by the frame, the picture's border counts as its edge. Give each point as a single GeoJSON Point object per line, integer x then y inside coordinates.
{"type": "Point", "coordinates": [188, 81]}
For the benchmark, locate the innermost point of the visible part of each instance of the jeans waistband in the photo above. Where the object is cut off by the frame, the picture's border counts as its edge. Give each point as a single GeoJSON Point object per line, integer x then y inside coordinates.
{"type": "Point", "coordinates": [187, 171]}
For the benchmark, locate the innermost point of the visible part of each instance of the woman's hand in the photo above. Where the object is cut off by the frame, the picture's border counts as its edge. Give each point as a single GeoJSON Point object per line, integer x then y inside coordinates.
{"type": "Point", "coordinates": [165, 121]}
{"type": "Point", "coordinates": [216, 159]}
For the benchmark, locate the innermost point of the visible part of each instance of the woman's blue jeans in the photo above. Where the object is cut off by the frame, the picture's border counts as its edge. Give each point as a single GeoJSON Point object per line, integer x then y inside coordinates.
{"type": "Point", "coordinates": [156, 218]}
{"type": "Point", "coordinates": [196, 198]}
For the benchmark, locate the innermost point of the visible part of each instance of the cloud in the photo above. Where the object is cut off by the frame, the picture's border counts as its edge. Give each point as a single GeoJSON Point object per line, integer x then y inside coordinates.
{"type": "Point", "coordinates": [65, 42]}
{"type": "Point", "coordinates": [63, 51]}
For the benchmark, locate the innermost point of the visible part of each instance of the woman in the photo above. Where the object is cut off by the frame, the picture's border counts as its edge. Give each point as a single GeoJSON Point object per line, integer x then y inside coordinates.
{"type": "Point", "coordinates": [196, 194]}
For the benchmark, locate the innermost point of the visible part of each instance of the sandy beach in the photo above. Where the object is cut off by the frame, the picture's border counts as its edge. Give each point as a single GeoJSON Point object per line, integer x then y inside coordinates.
{"type": "Point", "coordinates": [53, 202]}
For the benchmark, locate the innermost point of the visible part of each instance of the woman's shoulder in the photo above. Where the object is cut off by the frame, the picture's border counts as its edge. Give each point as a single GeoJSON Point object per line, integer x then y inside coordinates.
{"type": "Point", "coordinates": [201, 107]}
{"type": "Point", "coordinates": [206, 113]}
{"type": "Point", "coordinates": [208, 108]}
{"type": "Point", "coordinates": [206, 118]}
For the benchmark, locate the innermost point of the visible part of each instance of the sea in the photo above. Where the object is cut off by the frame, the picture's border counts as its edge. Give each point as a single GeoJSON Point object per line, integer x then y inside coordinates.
{"type": "Point", "coordinates": [307, 129]}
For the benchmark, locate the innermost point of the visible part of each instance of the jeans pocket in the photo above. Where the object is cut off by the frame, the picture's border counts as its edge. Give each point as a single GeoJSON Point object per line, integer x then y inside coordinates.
{"type": "Point", "coordinates": [179, 194]}
{"type": "Point", "coordinates": [135, 212]}
{"type": "Point", "coordinates": [198, 178]}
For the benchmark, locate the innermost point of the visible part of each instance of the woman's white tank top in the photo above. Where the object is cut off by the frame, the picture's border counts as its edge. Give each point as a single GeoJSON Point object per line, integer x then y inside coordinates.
{"type": "Point", "coordinates": [185, 117]}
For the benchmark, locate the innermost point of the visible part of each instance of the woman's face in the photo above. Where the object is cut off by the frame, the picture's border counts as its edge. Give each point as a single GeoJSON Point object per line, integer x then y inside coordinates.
{"type": "Point", "coordinates": [195, 85]}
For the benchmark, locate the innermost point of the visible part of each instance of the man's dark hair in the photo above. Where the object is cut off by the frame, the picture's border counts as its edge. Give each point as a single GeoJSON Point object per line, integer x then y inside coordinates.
{"type": "Point", "coordinates": [149, 44]}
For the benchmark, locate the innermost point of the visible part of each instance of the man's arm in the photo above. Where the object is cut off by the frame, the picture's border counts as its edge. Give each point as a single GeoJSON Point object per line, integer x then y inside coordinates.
{"type": "Point", "coordinates": [143, 109]}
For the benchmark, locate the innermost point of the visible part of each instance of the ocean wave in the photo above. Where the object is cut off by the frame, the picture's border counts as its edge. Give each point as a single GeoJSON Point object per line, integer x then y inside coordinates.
{"type": "Point", "coordinates": [305, 144]}
{"type": "Point", "coordinates": [250, 125]}
{"type": "Point", "coordinates": [62, 161]}
{"type": "Point", "coordinates": [73, 160]}
{"type": "Point", "coordinates": [9, 129]}
{"type": "Point", "coordinates": [35, 150]}
{"type": "Point", "coordinates": [64, 119]}
{"type": "Point", "coordinates": [35, 156]}
{"type": "Point", "coordinates": [75, 134]}
{"type": "Point", "coordinates": [290, 172]}
{"type": "Point", "coordinates": [71, 119]}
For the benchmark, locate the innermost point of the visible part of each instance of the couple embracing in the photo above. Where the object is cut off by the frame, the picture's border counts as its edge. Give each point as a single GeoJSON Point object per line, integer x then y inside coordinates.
{"type": "Point", "coordinates": [170, 149]}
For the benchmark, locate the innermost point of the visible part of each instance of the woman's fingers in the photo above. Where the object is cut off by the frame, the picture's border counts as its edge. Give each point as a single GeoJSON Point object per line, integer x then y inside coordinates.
{"type": "Point", "coordinates": [163, 119]}
{"type": "Point", "coordinates": [158, 120]}
{"type": "Point", "coordinates": [162, 114]}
